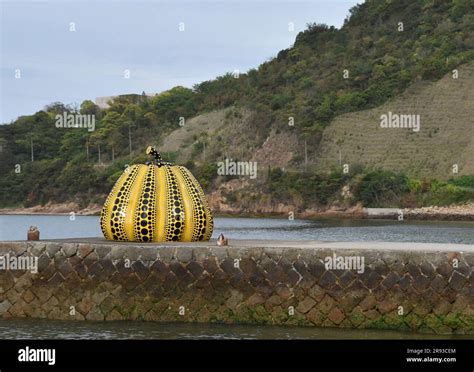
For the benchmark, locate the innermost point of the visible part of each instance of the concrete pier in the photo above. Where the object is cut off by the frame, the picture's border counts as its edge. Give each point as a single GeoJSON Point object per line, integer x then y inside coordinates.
{"type": "Point", "coordinates": [405, 286]}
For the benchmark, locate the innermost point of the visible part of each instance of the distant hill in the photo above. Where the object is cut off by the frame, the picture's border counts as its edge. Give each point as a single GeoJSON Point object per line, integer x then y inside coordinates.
{"type": "Point", "coordinates": [300, 115]}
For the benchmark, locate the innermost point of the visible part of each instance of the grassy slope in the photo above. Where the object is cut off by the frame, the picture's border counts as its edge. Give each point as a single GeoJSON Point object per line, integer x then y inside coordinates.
{"type": "Point", "coordinates": [446, 137]}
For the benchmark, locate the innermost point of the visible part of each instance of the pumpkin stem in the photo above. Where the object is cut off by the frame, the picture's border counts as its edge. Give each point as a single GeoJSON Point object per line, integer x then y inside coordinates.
{"type": "Point", "coordinates": [159, 160]}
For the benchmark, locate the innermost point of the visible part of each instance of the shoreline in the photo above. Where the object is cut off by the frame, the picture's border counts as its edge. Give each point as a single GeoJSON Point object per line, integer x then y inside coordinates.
{"type": "Point", "coordinates": [449, 213]}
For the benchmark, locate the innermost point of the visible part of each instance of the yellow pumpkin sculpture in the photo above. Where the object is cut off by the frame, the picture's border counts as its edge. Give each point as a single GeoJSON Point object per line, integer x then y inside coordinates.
{"type": "Point", "coordinates": [156, 202]}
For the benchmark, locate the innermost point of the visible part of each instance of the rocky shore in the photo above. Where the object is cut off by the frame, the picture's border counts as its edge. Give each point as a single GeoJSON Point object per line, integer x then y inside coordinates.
{"type": "Point", "coordinates": [461, 212]}
{"type": "Point", "coordinates": [55, 208]}
{"type": "Point", "coordinates": [464, 212]}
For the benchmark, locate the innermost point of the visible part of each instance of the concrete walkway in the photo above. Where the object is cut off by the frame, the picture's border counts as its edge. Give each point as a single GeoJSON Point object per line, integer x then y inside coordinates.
{"type": "Point", "coordinates": [372, 245]}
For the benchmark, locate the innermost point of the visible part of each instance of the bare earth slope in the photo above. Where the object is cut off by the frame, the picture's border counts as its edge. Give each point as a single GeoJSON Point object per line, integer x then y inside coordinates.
{"type": "Point", "coordinates": [230, 133]}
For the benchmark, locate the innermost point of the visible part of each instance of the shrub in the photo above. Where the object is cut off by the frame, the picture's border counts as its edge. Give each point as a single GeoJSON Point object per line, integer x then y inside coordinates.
{"type": "Point", "coordinates": [447, 194]}
{"type": "Point", "coordinates": [381, 188]}
{"type": "Point", "coordinates": [463, 181]}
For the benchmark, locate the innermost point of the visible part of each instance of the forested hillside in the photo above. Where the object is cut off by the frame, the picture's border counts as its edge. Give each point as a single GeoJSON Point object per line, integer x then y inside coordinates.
{"type": "Point", "coordinates": [275, 114]}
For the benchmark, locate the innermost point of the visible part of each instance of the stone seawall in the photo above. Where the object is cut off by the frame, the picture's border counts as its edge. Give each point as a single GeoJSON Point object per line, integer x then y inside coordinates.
{"type": "Point", "coordinates": [403, 286]}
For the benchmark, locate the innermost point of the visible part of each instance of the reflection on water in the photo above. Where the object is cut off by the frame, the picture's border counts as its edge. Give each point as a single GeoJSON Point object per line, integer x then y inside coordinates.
{"type": "Point", "coordinates": [88, 330]}
{"type": "Point", "coordinates": [14, 227]}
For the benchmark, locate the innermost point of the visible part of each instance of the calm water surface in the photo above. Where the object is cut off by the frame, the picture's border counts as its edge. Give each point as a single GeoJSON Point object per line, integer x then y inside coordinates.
{"type": "Point", "coordinates": [14, 227]}
{"type": "Point", "coordinates": [55, 329]}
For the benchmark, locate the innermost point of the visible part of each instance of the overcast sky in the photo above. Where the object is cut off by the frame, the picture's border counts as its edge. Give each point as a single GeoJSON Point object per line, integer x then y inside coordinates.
{"type": "Point", "coordinates": [144, 37]}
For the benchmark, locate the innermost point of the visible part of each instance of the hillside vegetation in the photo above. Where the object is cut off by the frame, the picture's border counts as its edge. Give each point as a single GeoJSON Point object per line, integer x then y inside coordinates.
{"type": "Point", "coordinates": [331, 85]}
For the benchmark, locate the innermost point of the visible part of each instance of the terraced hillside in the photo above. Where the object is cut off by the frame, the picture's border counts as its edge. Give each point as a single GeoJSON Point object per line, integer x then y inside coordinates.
{"type": "Point", "coordinates": [445, 138]}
